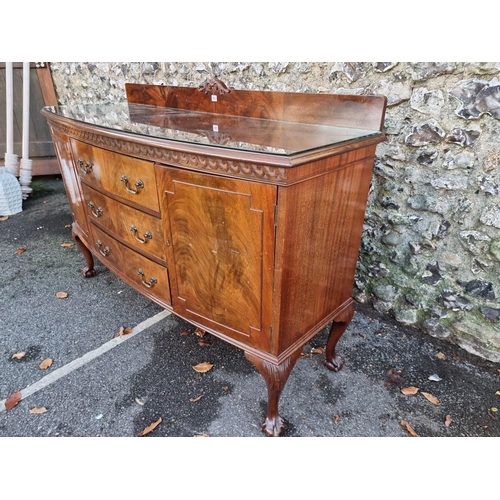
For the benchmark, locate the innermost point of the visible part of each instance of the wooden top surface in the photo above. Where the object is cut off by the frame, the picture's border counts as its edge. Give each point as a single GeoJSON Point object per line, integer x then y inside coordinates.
{"type": "Point", "coordinates": [284, 124]}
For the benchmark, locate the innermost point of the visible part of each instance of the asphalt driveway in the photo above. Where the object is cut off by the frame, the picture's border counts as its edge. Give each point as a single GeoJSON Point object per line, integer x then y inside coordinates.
{"type": "Point", "coordinates": [63, 355]}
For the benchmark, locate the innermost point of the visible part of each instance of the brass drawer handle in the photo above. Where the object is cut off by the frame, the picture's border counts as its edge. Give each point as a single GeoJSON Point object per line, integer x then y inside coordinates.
{"type": "Point", "coordinates": [85, 166]}
{"type": "Point", "coordinates": [139, 185]}
{"type": "Point", "coordinates": [95, 212]}
{"type": "Point", "coordinates": [147, 235]}
{"type": "Point", "coordinates": [152, 281]}
{"type": "Point", "coordinates": [102, 251]}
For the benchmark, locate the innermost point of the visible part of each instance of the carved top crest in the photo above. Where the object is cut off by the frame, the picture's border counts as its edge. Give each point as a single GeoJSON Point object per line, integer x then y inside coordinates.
{"type": "Point", "coordinates": [214, 87]}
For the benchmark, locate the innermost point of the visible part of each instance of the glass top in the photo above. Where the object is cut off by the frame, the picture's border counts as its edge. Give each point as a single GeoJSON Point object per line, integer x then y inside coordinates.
{"type": "Point", "coordinates": [233, 132]}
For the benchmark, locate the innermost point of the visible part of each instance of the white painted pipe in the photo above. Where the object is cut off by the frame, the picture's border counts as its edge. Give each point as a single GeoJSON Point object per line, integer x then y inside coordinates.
{"type": "Point", "coordinates": [26, 166]}
{"type": "Point", "coordinates": [26, 110]}
{"type": "Point", "coordinates": [9, 86]}
{"type": "Point", "coordinates": [11, 160]}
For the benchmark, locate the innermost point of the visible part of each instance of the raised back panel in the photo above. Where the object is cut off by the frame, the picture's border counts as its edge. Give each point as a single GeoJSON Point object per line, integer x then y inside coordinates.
{"type": "Point", "coordinates": [365, 112]}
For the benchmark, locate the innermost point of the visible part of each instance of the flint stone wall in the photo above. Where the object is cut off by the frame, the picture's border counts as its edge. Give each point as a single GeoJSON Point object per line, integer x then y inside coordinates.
{"type": "Point", "coordinates": [430, 253]}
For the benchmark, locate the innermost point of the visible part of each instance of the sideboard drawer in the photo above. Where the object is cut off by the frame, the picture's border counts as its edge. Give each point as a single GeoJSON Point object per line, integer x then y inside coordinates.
{"type": "Point", "coordinates": [146, 276]}
{"type": "Point", "coordinates": [137, 228]}
{"type": "Point", "coordinates": [124, 176]}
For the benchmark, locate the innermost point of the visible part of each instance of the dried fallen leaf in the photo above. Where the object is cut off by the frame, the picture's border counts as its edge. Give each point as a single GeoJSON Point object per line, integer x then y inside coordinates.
{"type": "Point", "coordinates": [204, 342]}
{"type": "Point", "coordinates": [409, 428]}
{"type": "Point", "coordinates": [67, 245]}
{"type": "Point", "coordinates": [203, 367]}
{"type": "Point", "coordinates": [199, 332]}
{"type": "Point", "coordinates": [317, 350]}
{"type": "Point", "coordinates": [38, 410]}
{"type": "Point", "coordinates": [12, 400]}
{"type": "Point", "coordinates": [20, 250]}
{"type": "Point", "coordinates": [46, 363]}
{"type": "Point", "coordinates": [448, 420]}
{"type": "Point", "coordinates": [124, 330]}
{"type": "Point", "coordinates": [336, 418]}
{"type": "Point", "coordinates": [193, 400]}
{"type": "Point", "coordinates": [440, 355]}
{"type": "Point", "coordinates": [184, 333]}
{"type": "Point", "coordinates": [430, 398]}
{"type": "Point", "coordinates": [19, 355]}
{"type": "Point", "coordinates": [305, 355]}
{"type": "Point", "coordinates": [61, 295]}
{"type": "Point", "coordinates": [150, 428]}
{"type": "Point", "coordinates": [409, 391]}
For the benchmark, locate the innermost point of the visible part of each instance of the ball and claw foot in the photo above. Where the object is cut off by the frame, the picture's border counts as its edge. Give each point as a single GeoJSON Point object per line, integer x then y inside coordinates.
{"type": "Point", "coordinates": [274, 427]}
{"type": "Point", "coordinates": [335, 364]}
{"type": "Point", "coordinates": [88, 273]}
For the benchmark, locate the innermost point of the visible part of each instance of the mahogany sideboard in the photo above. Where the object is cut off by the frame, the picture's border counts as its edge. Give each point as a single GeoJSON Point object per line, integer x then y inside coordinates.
{"type": "Point", "coordinates": [239, 211]}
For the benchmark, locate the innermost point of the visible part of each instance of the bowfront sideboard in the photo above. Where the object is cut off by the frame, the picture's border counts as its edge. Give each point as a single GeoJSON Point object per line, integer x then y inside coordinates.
{"type": "Point", "coordinates": [239, 211]}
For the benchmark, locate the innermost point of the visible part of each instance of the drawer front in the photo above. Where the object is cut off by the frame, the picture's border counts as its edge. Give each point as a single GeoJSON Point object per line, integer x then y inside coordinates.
{"type": "Point", "coordinates": [133, 226]}
{"type": "Point", "coordinates": [130, 178]}
{"type": "Point", "coordinates": [146, 276]}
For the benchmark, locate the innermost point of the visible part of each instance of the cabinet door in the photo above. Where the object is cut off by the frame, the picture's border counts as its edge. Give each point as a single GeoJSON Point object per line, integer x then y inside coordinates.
{"type": "Point", "coordinates": [222, 237]}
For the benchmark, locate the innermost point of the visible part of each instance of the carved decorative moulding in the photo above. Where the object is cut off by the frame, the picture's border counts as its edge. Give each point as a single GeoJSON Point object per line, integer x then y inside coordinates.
{"type": "Point", "coordinates": [214, 87]}
{"type": "Point", "coordinates": [177, 158]}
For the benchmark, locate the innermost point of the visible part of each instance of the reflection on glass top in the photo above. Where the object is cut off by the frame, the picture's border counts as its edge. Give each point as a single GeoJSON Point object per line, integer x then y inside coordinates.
{"type": "Point", "coordinates": [234, 132]}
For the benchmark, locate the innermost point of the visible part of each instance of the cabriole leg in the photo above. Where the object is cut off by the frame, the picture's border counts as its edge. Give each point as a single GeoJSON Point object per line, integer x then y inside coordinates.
{"type": "Point", "coordinates": [334, 361]}
{"type": "Point", "coordinates": [88, 271]}
{"type": "Point", "coordinates": [275, 377]}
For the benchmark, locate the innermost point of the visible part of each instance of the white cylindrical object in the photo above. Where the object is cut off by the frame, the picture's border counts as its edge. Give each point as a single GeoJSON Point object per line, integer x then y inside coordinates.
{"type": "Point", "coordinates": [11, 159]}
{"type": "Point", "coordinates": [26, 165]}
{"type": "Point", "coordinates": [25, 175]}
{"type": "Point", "coordinates": [26, 110]}
{"type": "Point", "coordinates": [9, 98]}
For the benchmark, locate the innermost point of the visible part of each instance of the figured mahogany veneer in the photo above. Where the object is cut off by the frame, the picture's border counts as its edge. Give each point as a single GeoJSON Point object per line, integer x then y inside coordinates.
{"type": "Point", "coordinates": [240, 211]}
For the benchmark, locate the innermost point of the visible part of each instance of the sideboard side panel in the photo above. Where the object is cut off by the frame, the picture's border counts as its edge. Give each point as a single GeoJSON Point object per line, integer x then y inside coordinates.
{"type": "Point", "coordinates": [71, 180]}
{"type": "Point", "coordinates": [318, 236]}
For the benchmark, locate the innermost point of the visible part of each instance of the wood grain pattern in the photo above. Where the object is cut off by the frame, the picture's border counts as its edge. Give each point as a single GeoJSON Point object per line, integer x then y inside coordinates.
{"type": "Point", "coordinates": [363, 112]}
{"type": "Point", "coordinates": [71, 180]}
{"type": "Point", "coordinates": [104, 170]}
{"type": "Point", "coordinates": [222, 232]}
{"type": "Point", "coordinates": [323, 217]}
{"type": "Point", "coordinates": [126, 264]}
{"type": "Point", "coordinates": [119, 219]}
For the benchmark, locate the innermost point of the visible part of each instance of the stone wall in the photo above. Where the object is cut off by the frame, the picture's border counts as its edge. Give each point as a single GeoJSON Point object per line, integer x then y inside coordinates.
{"type": "Point", "coordinates": [430, 254]}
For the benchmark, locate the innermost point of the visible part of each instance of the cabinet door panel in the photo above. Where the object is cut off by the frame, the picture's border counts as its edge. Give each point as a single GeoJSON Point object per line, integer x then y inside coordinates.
{"type": "Point", "coordinates": [222, 233]}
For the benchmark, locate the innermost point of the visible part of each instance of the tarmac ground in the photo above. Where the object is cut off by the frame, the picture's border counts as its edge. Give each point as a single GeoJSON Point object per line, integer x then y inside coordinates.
{"type": "Point", "coordinates": [102, 384]}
